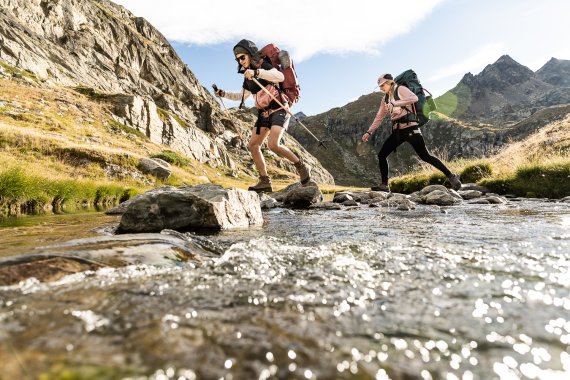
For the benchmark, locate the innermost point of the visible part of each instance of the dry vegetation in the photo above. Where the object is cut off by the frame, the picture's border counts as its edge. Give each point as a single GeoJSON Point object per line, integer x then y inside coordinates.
{"type": "Point", "coordinates": [536, 166]}
{"type": "Point", "coordinates": [60, 142]}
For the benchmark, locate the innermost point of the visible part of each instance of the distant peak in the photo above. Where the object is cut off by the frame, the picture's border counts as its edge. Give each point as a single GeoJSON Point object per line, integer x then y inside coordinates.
{"type": "Point", "coordinates": [506, 63]}
{"type": "Point", "coordinates": [506, 59]}
{"type": "Point", "coordinates": [467, 79]}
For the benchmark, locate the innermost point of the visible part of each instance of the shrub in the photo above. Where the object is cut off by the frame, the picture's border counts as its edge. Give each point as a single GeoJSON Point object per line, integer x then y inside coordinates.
{"type": "Point", "coordinates": [536, 180]}
{"type": "Point", "coordinates": [415, 182]}
{"type": "Point", "coordinates": [172, 158]}
{"type": "Point", "coordinates": [90, 93]}
{"type": "Point", "coordinates": [475, 172]}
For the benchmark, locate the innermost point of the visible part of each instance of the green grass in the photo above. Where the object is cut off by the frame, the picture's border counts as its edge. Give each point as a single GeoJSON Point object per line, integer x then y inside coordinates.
{"type": "Point", "coordinates": [182, 123]}
{"type": "Point", "coordinates": [172, 158]}
{"type": "Point", "coordinates": [550, 180]}
{"type": "Point", "coordinates": [535, 180]}
{"type": "Point", "coordinates": [17, 187]}
{"type": "Point", "coordinates": [415, 182]}
{"type": "Point", "coordinates": [116, 126]}
{"type": "Point", "coordinates": [164, 116]}
{"type": "Point", "coordinates": [14, 70]}
{"type": "Point", "coordinates": [90, 93]}
{"type": "Point", "coordinates": [473, 173]}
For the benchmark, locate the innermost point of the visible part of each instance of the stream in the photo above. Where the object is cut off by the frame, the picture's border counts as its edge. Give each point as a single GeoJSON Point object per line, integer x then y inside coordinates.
{"type": "Point", "coordinates": [465, 292]}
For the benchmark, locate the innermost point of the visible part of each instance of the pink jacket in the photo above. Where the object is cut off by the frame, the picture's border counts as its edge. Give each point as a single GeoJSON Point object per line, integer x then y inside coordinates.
{"type": "Point", "coordinates": [407, 97]}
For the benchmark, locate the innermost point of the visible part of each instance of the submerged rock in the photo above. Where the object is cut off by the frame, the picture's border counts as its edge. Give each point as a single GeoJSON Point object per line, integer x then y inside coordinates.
{"type": "Point", "coordinates": [54, 262]}
{"type": "Point", "coordinates": [189, 208]}
{"type": "Point", "coordinates": [43, 269]}
{"type": "Point", "coordinates": [325, 206]}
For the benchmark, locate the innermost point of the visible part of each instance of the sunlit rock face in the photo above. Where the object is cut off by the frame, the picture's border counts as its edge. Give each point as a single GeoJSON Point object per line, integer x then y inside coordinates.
{"type": "Point", "coordinates": [103, 50]}
{"type": "Point", "coordinates": [192, 208]}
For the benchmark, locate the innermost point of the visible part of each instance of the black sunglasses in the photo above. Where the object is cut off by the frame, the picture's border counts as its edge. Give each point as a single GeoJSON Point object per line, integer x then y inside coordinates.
{"type": "Point", "coordinates": [241, 58]}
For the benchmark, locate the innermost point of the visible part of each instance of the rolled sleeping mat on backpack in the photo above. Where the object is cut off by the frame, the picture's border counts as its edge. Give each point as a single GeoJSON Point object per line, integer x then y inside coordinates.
{"type": "Point", "coordinates": [284, 59]}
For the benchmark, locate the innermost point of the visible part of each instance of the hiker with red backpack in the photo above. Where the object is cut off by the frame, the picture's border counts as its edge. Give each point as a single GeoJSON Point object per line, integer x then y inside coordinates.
{"type": "Point", "coordinates": [407, 115]}
{"type": "Point", "coordinates": [264, 81]}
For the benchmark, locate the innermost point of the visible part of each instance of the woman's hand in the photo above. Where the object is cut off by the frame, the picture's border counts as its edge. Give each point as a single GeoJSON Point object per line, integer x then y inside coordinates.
{"type": "Point", "coordinates": [249, 74]}
{"type": "Point", "coordinates": [366, 136]}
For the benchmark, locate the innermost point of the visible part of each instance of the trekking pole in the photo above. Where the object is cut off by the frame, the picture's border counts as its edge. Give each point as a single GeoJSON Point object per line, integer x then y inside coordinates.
{"type": "Point", "coordinates": [236, 129]}
{"type": "Point", "coordinates": [321, 142]}
{"type": "Point", "coordinates": [219, 97]}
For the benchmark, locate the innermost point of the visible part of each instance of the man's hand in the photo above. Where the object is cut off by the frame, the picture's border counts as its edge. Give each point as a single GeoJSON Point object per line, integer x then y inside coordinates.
{"type": "Point", "coordinates": [366, 136]}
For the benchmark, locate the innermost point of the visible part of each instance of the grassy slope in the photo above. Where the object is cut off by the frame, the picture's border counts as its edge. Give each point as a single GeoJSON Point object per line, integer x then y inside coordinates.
{"type": "Point", "coordinates": [536, 166]}
{"type": "Point", "coordinates": [55, 144]}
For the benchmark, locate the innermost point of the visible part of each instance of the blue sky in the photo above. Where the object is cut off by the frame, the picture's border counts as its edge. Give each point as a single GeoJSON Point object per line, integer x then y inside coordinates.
{"type": "Point", "coordinates": [341, 47]}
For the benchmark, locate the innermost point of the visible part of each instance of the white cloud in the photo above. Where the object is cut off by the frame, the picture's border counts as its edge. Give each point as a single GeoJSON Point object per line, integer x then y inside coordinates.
{"type": "Point", "coordinates": [485, 55]}
{"type": "Point", "coordinates": [304, 27]}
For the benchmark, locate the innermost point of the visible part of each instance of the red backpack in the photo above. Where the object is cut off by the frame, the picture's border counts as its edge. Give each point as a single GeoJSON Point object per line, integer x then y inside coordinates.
{"type": "Point", "coordinates": [281, 60]}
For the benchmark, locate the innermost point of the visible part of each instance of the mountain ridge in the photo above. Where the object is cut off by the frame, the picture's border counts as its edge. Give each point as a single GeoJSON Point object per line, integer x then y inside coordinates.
{"type": "Point", "coordinates": [481, 114]}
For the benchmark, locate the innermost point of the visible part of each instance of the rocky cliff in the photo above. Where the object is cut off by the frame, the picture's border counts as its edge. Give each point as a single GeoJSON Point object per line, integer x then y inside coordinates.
{"type": "Point", "coordinates": [505, 92]}
{"type": "Point", "coordinates": [103, 50]}
{"type": "Point", "coordinates": [505, 102]}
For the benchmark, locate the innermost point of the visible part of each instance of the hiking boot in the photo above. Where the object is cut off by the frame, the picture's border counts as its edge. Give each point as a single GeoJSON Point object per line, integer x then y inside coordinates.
{"type": "Point", "coordinates": [381, 187]}
{"type": "Point", "coordinates": [264, 185]}
{"type": "Point", "coordinates": [454, 181]}
{"type": "Point", "coordinates": [304, 171]}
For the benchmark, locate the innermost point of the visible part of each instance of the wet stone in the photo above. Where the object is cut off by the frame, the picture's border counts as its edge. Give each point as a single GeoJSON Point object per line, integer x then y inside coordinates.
{"type": "Point", "coordinates": [470, 194]}
{"type": "Point", "coordinates": [325, 206]}
{"type": "Point", "coordinates": [192, 207]}
{"type": "Point", "coordinates": [342, 197]}
{"type": "Point", "coordinates": [44, 269]}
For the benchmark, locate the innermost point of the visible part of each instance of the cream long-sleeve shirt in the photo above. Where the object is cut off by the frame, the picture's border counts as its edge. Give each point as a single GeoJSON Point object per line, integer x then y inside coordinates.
{"type": "Point", "coordinates": [272, 75]}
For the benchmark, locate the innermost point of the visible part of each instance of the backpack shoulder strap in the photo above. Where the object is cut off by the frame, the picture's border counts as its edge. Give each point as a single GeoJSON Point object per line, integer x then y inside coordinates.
{"type": "Point", "coordinates": [396, 95]}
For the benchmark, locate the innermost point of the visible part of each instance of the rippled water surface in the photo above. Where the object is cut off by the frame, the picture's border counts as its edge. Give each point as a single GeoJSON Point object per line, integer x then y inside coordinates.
{"type": "Point", "coordinates": [468, 292]}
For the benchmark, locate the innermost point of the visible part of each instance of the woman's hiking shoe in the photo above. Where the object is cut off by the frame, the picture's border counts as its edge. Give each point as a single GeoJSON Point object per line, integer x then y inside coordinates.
{"type": "Point", "coordinates": [381, 187]}
{"type": "Point", "coordinates": [454, 181]}
{"type": "Point", "coordinates": [264, 185]}
{"type": "Point", "coordinates": [304, 171]}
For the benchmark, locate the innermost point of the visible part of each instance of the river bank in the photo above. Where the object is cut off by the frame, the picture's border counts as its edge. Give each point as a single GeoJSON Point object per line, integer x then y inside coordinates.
{"type": "Point", "coordinates": [354, 293]}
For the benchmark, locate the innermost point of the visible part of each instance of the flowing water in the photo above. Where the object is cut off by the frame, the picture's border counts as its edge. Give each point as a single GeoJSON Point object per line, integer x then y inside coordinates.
{"type": "Point", "coordinates": [468, 292]}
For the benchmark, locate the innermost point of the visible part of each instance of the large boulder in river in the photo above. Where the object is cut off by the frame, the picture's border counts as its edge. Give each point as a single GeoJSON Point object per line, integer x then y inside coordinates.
{"type": "Point", "coordinates": [299, 196]}
{"type": "Point", "coordinates": [191, 208]}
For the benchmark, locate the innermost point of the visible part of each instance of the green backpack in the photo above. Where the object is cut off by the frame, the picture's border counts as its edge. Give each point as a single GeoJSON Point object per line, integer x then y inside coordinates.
{"type": "Point", "coordinates": [421, 109]}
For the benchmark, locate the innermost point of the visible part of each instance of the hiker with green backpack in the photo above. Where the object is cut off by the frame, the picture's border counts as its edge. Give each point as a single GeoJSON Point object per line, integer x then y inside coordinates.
{"type": "Point", "coordinates": [268, 75]}
{"type": "Point", "coordinates": [408, 112]}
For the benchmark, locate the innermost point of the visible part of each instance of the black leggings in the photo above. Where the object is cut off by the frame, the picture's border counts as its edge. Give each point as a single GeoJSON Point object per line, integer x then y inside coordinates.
{"type": "Point", "coordinates": [417, 142]}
